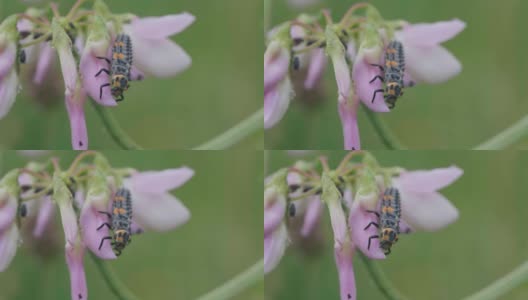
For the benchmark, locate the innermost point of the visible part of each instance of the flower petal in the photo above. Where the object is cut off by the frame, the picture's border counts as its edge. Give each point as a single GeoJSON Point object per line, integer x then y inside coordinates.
{"type": "Point", "coordinates": [312, 215]}
{"type": "Point", "coordinates": [7, 59]}
{"type": "Point", "coordinates": [90, 221]}
{"type": "Point", "coordinates": [44, 217]}
{"type": "Point", "coordinates": [339, 224]}
{"type": "Point", "coordinates": [8, 246]}
{"type": "Point", "coordinates": [315, 69]}
{"type": "Point", "coordinates": [358, 220]}
{"type": "Point", "coordinates": [161, 212]}
{"type": "Point", "coordinates": [276, 65]}
{"type": "Point", "coordinates": [89, 67]}
{"type": "Point", "coordinates": [8, 211]}
{"type": "Point", "coordinates": [363, 73]}
{"type": "Point", "coordinates": [348, 117]}
{"type": "Point", "coordinates": [159, 182]}
{"type": "Point", "coordinates": [159, 58]}
{"type": "Point", "coordinates": [276, 103]}
{"type": "Point", "coordinates": [431, 65]}
{"type": "Point", "coordinates": [345, 269]}
{"type": "Point", "coordinates": [74, 259]}
{"type": "Point", "coordinates": [75, 108]}
{"type": "Point", "coordinates": [273, 215]}
{"type": "Point", "coordinates": [161, 27]}
{"type": "Point", "coordinates": [45, 60]}
{"type": "Point", "coordinates": [427, 211]}
{"type": "Point", "coordinates": [274, 247]}
{"type": "Point", "coordinates": [424, 181]}
{"type": "Point", "coordinates": [8, 92]}
{"type": "Point", "coordinates": [342, 75]}
{"type": "Point", "coordinates": [430, 34]}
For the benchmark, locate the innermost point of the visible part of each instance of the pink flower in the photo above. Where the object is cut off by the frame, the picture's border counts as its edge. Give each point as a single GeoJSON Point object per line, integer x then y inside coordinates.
{"type": "Point", "coordinates": [97, 45]}
{"type": "Point", "coordinates": [74, 247]}
{"type": "Point", "coordinates": [75, 108]}
{"type": "Point", "coordinates": [345, 270]}
{"type": "Point", "coordinates": [9, 233]}
{"type": "Point", "coordinates": [45, 61]}
{"type": "Point", "coordinates": [363, 72]}
{"type": "Point", "coordinates": [426, 60]}
{"type": "Point", "coordinates": [154, 207]}
{"type": "Point", "coordinates": [316, 68]}
{"type": "Point", "coordinates": [8, 72]}
{"type": "Point", "coordinates": [277, 85]}
{"type": "Point", "coordinates": [275, 232]}
{"type": "Point", "coordinates": [348, 115]}
{"type": "Point", "coordinates": [154, 53]}
{"type": "Point", "coordinates": [423, 208]}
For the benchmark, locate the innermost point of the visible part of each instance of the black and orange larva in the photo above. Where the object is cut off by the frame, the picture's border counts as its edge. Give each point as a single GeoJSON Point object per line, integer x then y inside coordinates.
{"type": "Point", "coordinates": [120, 66]}
{"type": "Point", "coordinates": [392, 74]}
{"type": "Point", "coordinates": [389, 219]}
{"type": "Point", "coordinates": [121, 218]}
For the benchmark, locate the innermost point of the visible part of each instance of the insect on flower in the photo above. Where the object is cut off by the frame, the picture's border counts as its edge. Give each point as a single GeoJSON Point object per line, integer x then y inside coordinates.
{"type": "Point", "coordinates": [389, 220]}
{"type": "Point", "coordinates": [393, 74]}
{"type": "Point", "coordinates": [120, 66]}
{"type": "Point", "coordinates": [121, 218]}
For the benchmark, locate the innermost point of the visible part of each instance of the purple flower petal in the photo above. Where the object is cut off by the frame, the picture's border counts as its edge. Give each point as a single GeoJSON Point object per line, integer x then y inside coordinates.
{"type": "Point", "coordinates": [316, 69]}
{"type": "Point", "coordinates": [345, 270]}
{"type": "Point", "coordinates": [363, 72]}
{"type": "Point", "coordinates": [74, 259]}
{"type": "Point", "coordinates": [90, 221]}
{"type": "Point", "coordinates": [8, 210]}
{"type": "Point", "coordinates": [159, 182]}
{"type": "Point", "coordinates": [431, 65]}
{"type": "Point", "coordinates": [161, 27]}
{"type": "Point", "coordinates": [160, 57]}
{"type": "Point", "coordinates": [348, 117]}
{"type": "Point", "coordinates": [276, 66]}
{"type": "Point", "coordinates": [312, 215]}
{"type": "Point", "coordinates": [274, 214]}
{"type": "Point", "coordinates": [8, 92]}
{"type": "Point", "coordinates": [44, 217]}
{"type": "Point", "coordinates": [90, 65]}
{"type": "Point", "coordinates": [7, 59]}
{"type": "Point", "coordinates": [276, 103]}
{"type": "Point", "coordinates": [158, 213]}
{"type": "Point", "coordinates": [75, 108]}
{"type": "Point", "coordinates": [427, 211]}
{"type": "Point", "coordinates": [358, 220]}
{"type": "Point", "coordinates": [45, 60]}
{"type": "Point", "coordinates": [426, 181]}
{"type": "Point", "coordinates": [274, 247]}
{"type": "Point", "coordinates": [431, 34]}
{"type": "Point", "coordinates": [8, 246]}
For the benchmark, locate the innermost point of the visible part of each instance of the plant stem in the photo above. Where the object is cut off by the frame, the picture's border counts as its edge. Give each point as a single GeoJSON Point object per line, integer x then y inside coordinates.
{"type": "Point", "coordinates": [380, 280]}
{"type": "Point", "coordinates": [117, 287]}
{"type": "Point", "coordinates": [387, 137]}
{"type": "Point", "coordinates": [113, 128]}
{"type": "Point", "coordinates": [234, 135]}
{"type": "Point", "coordinates": [507, 137]}
{"type": "Point", "coordinates": [503, 285]}
{"type": "Point", "coordinates": [239, 283]}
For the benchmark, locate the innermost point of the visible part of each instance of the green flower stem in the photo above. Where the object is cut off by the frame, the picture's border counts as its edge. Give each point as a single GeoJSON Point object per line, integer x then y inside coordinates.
{"type": "Point", "coordinates": [387, 137]}
{"type": "Point", "coordinates": [113, 128]}
{"type": "Point", "coordinates": [267, 15]}
{"type": "Point", "coordinates": [503, 285]}
{"type": "Point", "coordinates": [117, 287]}
{"type": "Point", "coordinates": [506, 137]}
{"type": "Point", "coordinates": [252, 124]}
{"type": "Point", "coordinates": [239, 283]}
{"type": "Point", "coordinates": [380, 280]}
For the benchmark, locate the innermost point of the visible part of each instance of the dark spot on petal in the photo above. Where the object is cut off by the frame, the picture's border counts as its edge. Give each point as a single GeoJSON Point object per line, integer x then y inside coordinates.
{"type": "Point", "coordinates": [349, 296]}
{"type": "Point", "coordinates": [80, 296]}
{"type": "Point", "coordinates": [81, 143]}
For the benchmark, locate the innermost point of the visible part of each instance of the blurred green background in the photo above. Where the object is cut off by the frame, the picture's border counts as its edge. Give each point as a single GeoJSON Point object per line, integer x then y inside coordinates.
{"type": "Point", "coordinates": [221, 88]}
{"type": "Point", "coordinates": [222, 238]}
{"type": "Point", "coordinates": [487, 97]}
{"type": "Point", "coordinates": [487, 242]}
